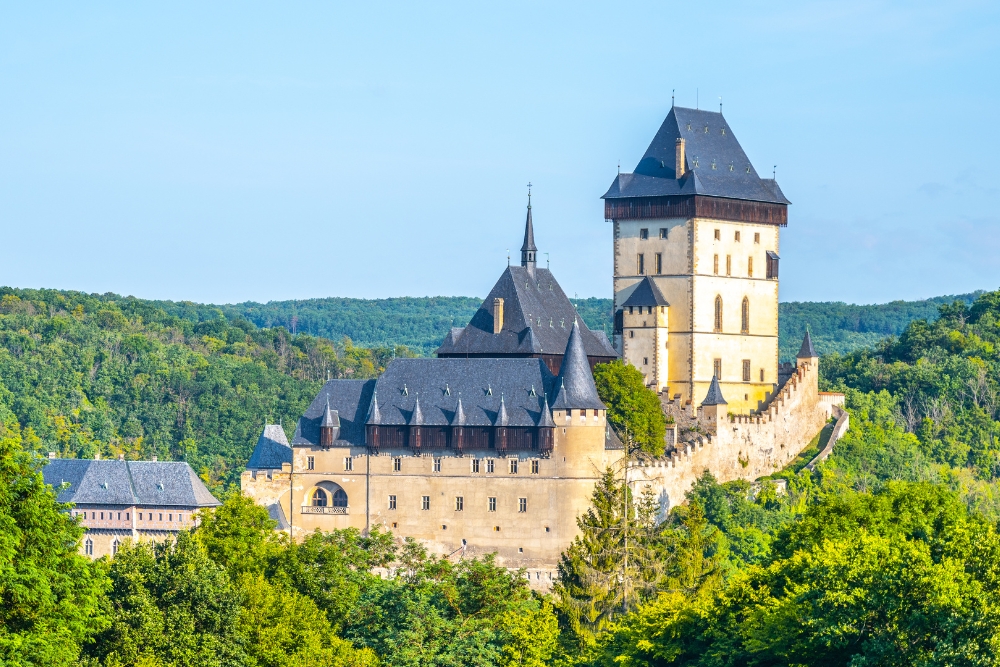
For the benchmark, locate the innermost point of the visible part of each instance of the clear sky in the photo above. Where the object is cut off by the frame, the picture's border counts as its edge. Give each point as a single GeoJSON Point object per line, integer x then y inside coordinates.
{"type": "Point", "coordinates": [227, 152]}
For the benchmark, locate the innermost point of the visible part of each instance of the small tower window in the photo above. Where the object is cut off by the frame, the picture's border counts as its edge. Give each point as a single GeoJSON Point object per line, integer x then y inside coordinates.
{"type": "Point", "coordinates": [348, 464]}
{"type": "Point", "coordinates": [310, 463]}
{"type": "Point", "coordinates": [718, 314]}
{"type": "Point", "coordinates": [746, 370]}
{"type": "Point", "coordinates": [762, 375]}
{"type": "Point", "coordinates": [715, 264]}
{"type": "Point", "coordinates": [492, 504]}
{"type": "Point", "coordinates": [729, 265]}
{"type": "Point", "coordinates": [437, 465]}
{"type": "Point", "coordinates": [513, 466]}
{"type": "Point", "coordinates": [392, 502]}
{"type": "Point", "coordinates": [663, 232]}
{"type": "Point", "coordinates": [737, 236]}
{"type": "Point", "coordinates": [522, 505]}
{"type": "Point", "coordinates": [756, 238]}
{"type": "Point", "coordinates": [745, 324]}
{"type": "Point", "coordinates": [475, 465]}
{"type": "Point", "coordinates": [644, 234]}
{"type": "Point", "coordinates": [718, 234]}
{"type": "Point", "coordinates": [397, 464]}
{"type": "Point", "coordinates": [425, 502]}
{"type": "Point", "coordinates": [717, 368]}
{"type": "Point", "coordinates": [459, 503]}
{"type": "Point", "coordinates": [641, 264]}
{"type": "Point", "coordinates": [534, 467]}
{"type": "Point", "coordinates": [658, 265]}
{"type": "Point", "coordinates": [750, 267]}
{"type": "Point", "coordinates": [88, 547]}
{"type": "Point", "coordinates": [489, 465]}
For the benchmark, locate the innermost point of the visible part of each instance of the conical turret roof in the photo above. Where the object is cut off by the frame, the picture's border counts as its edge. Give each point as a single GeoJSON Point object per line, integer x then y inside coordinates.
{"type": "Point", "coordinates": [714, 396]}
{"type": "Point", "coordinates": [807, 350]}
{"type": "Point", "coordinates": [575, 384]}
{"type": "Point", "coordinates": [529, 232]}
{"type": "Point", "coordinates": [331, 418]}
{"type": "Point", "coordinates": [545, 419]}
{"type": "Point", "coordinates": [502, 417]}
{"type": "Point", "coordinates": [374, 414]}
{"type": "Point", "coordinates": [417, 416]}
{"type": "Point", "coordinates": [459, 418]}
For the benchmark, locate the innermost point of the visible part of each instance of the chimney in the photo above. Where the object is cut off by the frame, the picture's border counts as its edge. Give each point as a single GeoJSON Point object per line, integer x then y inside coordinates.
{"type": "Point", "coordinates": [497, 315]}
{"type": "Point", "coordinates": [679, 168]}
{"type": "Point", "coordinates": [154, 457]}
{"type": "Point", "coordinates": [52, 455]}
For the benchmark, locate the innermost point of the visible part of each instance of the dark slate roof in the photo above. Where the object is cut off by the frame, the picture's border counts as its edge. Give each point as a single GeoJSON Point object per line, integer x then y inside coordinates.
{"type": "Point", "coordinates": [272, 449]}
{"type": "Point", "coordinates": [807, 350]}
{"type": "Point", "coordinates": [277, 513]}
{"type": "Point", "coordinates": [351, 399]}
{"type": "Point", "coordinates": [537, 320]}
{"type": "Point", "coordinates": [529, 232]}
{"type": "Point", "coordinates": [714, 396]}
{"type": "Point", "coordinates": [437, 385]}
{"type": "Point", "coordinates": [646, 293]}
{"type": "Point", "coordinates": [716, 165]}
{"type": "Point", "coordinates": [575, 385]}
{"type": "Point", "coordinates": [151, 483]}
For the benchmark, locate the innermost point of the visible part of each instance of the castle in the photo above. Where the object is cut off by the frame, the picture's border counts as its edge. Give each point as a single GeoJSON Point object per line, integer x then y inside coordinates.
{"type": "Point", "coordinates": [496, 444]}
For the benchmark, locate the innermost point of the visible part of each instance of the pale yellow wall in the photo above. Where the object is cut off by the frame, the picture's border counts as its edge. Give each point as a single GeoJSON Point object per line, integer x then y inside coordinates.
{"type": "Point", "coordinates": [556, 495]}
{"type": "Point", "coordinates": [690, 286]}
{"type": "Point", "coordinates": [644, 343]}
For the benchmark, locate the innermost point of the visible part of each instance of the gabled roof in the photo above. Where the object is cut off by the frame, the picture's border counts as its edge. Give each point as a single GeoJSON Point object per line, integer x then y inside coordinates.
{"type": "Point", "coordinates": [806, 350]}
{"type": "Point", "coordinates": [646, 293]}
{"type": "Point", "coordinates": [351, 399]}
{"type": "Point", "coordinates": [537, 320]}
{"type": "Point", "coordinates": [148, 483]}
{"type": "Point", "coordinates": [272, 449]}
{"type": "Point", "coordinates": [716, 165]}
{"type": "Point", "coordinates": [575, 386]}
{"type": "Point", "coordinates": [714, 396]}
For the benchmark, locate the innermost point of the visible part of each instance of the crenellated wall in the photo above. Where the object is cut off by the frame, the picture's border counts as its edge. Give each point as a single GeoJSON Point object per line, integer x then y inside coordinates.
{"type": "Point", "coordinates": [735, 447]}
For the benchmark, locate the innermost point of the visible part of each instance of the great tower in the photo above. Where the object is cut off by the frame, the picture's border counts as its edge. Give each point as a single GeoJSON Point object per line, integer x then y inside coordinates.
{"type": "Point", "coordinates": [696, 243]}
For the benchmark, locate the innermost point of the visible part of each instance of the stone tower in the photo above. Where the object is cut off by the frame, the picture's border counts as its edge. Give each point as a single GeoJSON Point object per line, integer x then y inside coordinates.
{"type": "Point", "coordinates": [695, 222]}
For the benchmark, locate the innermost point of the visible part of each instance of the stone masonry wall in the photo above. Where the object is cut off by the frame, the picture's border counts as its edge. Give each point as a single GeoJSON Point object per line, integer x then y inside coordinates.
{"type": "Point", "coordinates": [735, 447]}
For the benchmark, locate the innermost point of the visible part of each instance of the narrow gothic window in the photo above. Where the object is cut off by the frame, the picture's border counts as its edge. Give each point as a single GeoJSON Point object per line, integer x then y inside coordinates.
{"type": "Point", "coordinates": [522, 505]}
{"type": "Point", "coordinates": [641, 264]}
{"type": "Point", "coordinates": [762, 375]}
{"type": "Point", "coordinates": [718, 314]}
{"type": "Point", "coordinates": [392, 502]}
{"type": "Point", "coordinates": [89, 547]}
{"type": "Point", "coordinates": [745, 317]}
{"type": "Point", "coordinates": [659, 263]}
{"type": "Point", "coordinates": [750, 267]}
{"type": "Point", "coordinates": [534, 467]}
{"type": "Point", "coordinates": [348, 464]}
{"type": "Point", "coordinates": [397, 464]}
{"type": "Point", "coordinates": [718, 234]}
{"type": "Point", "coordinates": [729, 265]}
{"type": "Point", "coordinates": [737, 233]}
{"type": "Point", "coordinates": [756, 238]}
{"type": "Point", "coordinates": [114, 547]}
{"type": "Point", "coordinates": [746, 370]}
{"type": "Point", "coordinates": [459, 503]}
{"type": "Point", "coordinates": [715, 265]}
{"type": "Point", "coordinates": [717, 368]}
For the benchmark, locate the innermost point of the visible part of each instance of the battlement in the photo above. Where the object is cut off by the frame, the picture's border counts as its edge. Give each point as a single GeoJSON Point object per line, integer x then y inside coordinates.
{"type": "Point", "coordinates": [737, 446]}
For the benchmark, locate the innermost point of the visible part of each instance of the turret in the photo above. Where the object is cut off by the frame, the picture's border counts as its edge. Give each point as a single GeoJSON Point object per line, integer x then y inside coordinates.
{"type": "Point", "coordinates": [714, 407]}
{"type": "Point", "coordinates": [807, 353]}
{"type": "Point", "coordinates": [329, 427]}
{"type": "Point", "coordinates": [575, 388]}
{"type": "Point", "coordinates": [528, 249]}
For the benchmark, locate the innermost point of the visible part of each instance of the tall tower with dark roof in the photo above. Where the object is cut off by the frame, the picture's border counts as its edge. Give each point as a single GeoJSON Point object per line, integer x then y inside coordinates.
{"type": "Point", "coordinates": [696, 236]}
{"type": "Point", "coordinates": [528, 249]}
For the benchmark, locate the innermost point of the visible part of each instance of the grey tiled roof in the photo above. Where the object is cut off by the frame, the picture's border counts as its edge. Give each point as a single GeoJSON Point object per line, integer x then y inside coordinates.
{"type": "Point", "coordinates": [529, 233]}
{"type": "Point", "coordinates": [351, 399]}
{"type": "Point", "coordinates": [537, 320]}
{"type": "Point", "coordinates": [272, 449]}
{"type": "Point", "coordinates": [807, 350]}
{"type": "Point", "coordinates": [646, 293]}
{"type": "Point", "coordinates": [714, 395]}
{"type": "Point", "coordinates": [149, 483]}
{"type": "Point", "coordinates": [575, 385]}
{"type": "Point", "coordinates": [715, 162]}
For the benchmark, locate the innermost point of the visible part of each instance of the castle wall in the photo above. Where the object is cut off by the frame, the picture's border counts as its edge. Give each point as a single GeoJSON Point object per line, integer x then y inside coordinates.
{"type": "Point", "coordinates": [534, 538]}
{"type": "Point", "coordinates": [739, 446]}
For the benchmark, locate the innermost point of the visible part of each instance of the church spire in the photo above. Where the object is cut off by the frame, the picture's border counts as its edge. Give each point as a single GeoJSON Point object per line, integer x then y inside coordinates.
{"type": "Point", "coordinates": [528, 249]}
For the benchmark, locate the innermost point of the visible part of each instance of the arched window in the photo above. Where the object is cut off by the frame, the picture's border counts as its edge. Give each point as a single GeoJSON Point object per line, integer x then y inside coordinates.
{"type": "Point", "coordinates": [114, 548]}
{"type": "Point", "coordinates": [339, 498]}
{"type": "Point", "coordinates": [745, 316]}
{"type": "Point", "coordinates": [88, 547]}
{"type": "Point", "coordinates": [319, 498]}
{"type": "Point", "coordinates": [718, 314]}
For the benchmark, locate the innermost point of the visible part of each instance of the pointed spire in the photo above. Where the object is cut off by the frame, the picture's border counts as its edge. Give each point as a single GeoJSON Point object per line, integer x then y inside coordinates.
{"type": "Point", "coordinates": [576, 382]}
{"type": "Point", "coordinates": [714, 396]}
{"type": "Point", "coordinates": [528, 249]}
{"type": "Point", "coordinates": [502, 417]}
{"type": "Point", "coordinates": [331, 418]}
{"type": "Point", "coordinates": [545, 419]}
{"type": "Point", "coordinates": [807, 350]}
{"type": "Point", "coordinates": [459, 418]}
{"type": "Point", "coordinates": [417, 416]}
{"type": "Point", "coordinates": [374, 415]}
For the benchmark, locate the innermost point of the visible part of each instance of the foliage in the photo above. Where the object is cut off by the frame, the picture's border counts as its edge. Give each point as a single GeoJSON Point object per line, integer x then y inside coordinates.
{"type": "Point", "coordinates": [633, 409]}
{"type": "Point", "coordinates": [50, 597]}
{"type": "Point", "coordinates": [88, 374]}
{"type": "Point", "coordinates": [901, 577]}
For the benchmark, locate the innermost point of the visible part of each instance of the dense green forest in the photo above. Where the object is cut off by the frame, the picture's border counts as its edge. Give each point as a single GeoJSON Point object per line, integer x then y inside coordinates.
{"type": "Point", "coordinates": [421, 323]}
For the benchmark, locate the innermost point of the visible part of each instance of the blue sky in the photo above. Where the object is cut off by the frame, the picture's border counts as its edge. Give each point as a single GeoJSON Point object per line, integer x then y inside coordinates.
{"type": "Point", "coordinates": [227, 152]}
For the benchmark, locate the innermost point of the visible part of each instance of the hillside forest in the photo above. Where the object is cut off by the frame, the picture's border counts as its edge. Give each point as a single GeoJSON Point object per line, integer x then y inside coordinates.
{"type": "Point", "coordinates": [886, 554]}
